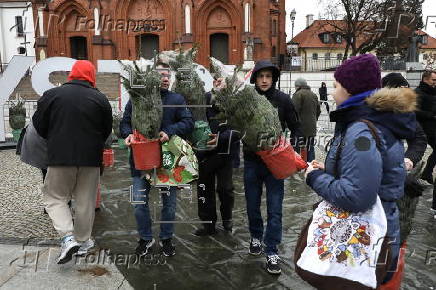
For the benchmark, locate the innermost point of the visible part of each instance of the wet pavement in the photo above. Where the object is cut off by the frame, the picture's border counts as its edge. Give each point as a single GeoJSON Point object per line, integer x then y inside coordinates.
{"type": "Point", "coordinates": [218, 262]}
{"type": "Point", "coordinates": [222, 261]}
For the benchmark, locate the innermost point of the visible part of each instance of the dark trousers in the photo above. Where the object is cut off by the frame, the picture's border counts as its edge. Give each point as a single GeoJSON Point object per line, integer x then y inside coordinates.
{"type": "Point", "coordinates": [431, 161]}
{"type": "Point", "coordinates": [217, 167]}
{"type": "Point", "coordinates": [326, 106]}
{"type": "Point", "coordinates": [255, 175]}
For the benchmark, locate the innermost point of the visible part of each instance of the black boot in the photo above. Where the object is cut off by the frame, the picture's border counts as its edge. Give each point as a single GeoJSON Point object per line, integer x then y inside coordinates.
{"type": "Point", "coordinates": [206, 230]}
{"type": "Point", "coordinates": [228, 225]}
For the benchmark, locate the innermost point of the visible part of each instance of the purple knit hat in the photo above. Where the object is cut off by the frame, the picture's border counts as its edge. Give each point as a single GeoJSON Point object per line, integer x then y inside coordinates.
{"type": "Point", "coordinates": [359, 74]}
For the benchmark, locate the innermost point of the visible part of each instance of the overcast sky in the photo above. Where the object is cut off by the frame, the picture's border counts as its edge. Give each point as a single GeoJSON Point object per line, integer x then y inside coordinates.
{"type": "Point", "coordinates": [313, 7]}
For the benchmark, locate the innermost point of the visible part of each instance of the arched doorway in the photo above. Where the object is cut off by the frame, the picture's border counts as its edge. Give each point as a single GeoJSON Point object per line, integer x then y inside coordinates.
{"type": "Point", "coordinates": [148, 45]}
{"type": "Point", "coordinates": [219, 47]}
{"type": "Point", "coordinates": [78, 47]}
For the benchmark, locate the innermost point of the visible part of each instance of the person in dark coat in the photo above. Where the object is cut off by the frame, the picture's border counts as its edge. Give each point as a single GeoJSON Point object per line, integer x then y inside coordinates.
{"type": "Point", "coordinates": [417, 145]}
{"type": "Point", "coordinates": [323, 96]}
{"type": "Point", "coordinates": [352, 180]}
{"type": "Point", "coordinates": [415, 151]}
{"type": "Point", "coordinates": [216, 163]}
{"type": "Point", "coordinates": [176, 120]}
{"type": "Point", "coordinates": [307, 106]}
{"type": "Point", "coordinates": [265, 76]}
{"type": "Point", "coordinates": [426, 115]}
{"type": "Point", "coordinates": [75, 119]}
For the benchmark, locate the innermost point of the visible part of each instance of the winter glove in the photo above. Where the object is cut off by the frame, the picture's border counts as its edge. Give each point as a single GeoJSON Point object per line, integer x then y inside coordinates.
{"type": "Point", "coordinates": [412, 187]}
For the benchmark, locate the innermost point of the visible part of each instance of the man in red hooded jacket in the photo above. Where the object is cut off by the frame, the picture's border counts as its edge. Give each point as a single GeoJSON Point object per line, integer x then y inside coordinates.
{"type": "Point", "coordinates": [76, 119]}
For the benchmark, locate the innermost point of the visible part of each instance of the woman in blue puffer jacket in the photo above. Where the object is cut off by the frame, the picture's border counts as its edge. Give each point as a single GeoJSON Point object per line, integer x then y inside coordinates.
{"type": "Point", "coordinates": [362, 170]}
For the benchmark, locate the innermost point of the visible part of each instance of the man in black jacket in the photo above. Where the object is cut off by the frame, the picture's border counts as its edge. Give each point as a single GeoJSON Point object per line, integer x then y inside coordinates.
{"type": "Point", "coordinates": [264, 76]}
{"type": "Point", "coordinates": [176, 120]}
{"type": "Point", "coordinates": [216, 163]}
{"type": "Point", "coordinates": [76, 119]}
{"type": "Point", "coordinates": [426, 115]}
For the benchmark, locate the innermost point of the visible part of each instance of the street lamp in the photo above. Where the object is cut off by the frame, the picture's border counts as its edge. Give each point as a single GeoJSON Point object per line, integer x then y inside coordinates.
{"type": "Point", "coordinates": [292, 16]}
{"type": "Point", "coordinates": [293, 13]}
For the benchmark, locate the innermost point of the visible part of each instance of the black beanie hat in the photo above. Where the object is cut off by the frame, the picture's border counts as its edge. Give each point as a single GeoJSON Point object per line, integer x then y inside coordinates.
{"type": "Point", "coordinates": [394, 80]}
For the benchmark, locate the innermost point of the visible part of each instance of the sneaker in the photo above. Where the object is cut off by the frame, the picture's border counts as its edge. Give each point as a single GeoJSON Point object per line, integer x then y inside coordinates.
{"type": "Point", "coordinates": [144, 247]}
{"type": "Point", "coordinates": [69, 246]}
{"type": "Point", "coordinates": [228, 225]}
{"type": "Point", "coordinates": [167, 248]}
{"type": "Point", "coordinates": [272, 264]}
{"type": "Point", "coordinates": [206, 230]}
{"type": "Point", "coordinates": [85, 247]}
{"type": "Point", "coordinates": [255, 247]}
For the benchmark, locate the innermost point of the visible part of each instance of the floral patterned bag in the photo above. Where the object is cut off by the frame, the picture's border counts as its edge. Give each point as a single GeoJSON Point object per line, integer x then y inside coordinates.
{"type": "Point", "coordinates": [179, 164]}
{"type": "Point", "coordinates": [343, 244]}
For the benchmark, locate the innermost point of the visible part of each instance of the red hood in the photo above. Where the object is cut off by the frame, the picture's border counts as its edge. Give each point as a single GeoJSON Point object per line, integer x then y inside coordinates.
{"type": "Point", "coordinates": [83, 70]}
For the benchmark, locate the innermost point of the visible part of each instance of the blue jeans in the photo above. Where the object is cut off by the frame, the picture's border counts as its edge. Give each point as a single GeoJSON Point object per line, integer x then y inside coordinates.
{"type": "Point", "coordinates": [255, 175]}
{"type": "Point", "coordinates": [141, 189]}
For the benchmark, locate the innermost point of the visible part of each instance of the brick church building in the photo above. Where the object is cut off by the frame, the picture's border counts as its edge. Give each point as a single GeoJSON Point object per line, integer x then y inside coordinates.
{"type": "Point", "coordinates": [233, 31]}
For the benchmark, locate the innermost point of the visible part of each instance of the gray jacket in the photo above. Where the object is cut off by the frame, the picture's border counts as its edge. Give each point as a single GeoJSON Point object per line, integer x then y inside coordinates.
{"type": "Point", "coordinates": [34, 149]}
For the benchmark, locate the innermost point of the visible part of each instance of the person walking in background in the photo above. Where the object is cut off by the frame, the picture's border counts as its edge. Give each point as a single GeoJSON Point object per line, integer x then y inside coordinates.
{"type": "Point", "coordinates": [426, 115]}
{"type": "Point", "coordinates": [308, 109]}
{"type": "Point", "coordinates": [216, 164]}
{"type": "Point", "coordinates": [76, 120]}
{"type": "Point", "coordinates": [176, 120]}
{"type": "Point", "coordinates": [323, 96]}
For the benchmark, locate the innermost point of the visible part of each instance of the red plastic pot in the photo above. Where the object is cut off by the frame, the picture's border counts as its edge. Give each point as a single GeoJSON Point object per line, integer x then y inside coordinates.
{"type": "Point", "coordinates": [108, 157]}
{"type": "Point", "coordinates": [282, 161]}
{"type": "Point", "coordinates": [395, 282]}
{"type": "Point", "coordinates": [146, 153]}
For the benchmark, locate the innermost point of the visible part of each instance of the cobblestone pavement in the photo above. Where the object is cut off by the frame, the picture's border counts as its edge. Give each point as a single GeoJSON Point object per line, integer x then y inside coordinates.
{"type": "Point", "coordinates": [21, 207]}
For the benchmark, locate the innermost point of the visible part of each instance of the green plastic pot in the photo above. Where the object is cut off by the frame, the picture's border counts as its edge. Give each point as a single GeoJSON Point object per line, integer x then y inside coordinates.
{"type": "Point", "coordinates": [16, 133]}
{"type": "Point", "coordinates": [121, 144]}
{"type": "Point", "coordinates": [200, 135]}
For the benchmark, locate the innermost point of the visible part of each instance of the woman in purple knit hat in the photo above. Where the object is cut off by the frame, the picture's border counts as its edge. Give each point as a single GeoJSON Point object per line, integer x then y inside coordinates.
{"type": "Point", "coordinates": [357, 168]}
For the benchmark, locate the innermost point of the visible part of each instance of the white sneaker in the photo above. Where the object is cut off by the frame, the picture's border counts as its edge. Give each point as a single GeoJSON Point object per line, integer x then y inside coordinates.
{"type": "Point", "coordinates": [69, 246]}
{"type": "Point", "coordinates": [85, 247]}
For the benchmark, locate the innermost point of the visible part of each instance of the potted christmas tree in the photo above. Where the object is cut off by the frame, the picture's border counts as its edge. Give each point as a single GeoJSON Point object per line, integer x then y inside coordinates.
{"type": "Point", "coordinates": [17, 117]}
{"type": "Point", "coordinates": [191, 87]}
{"type": "Point", "coordinates": [257, 119]}
{"type": "Point", "coordinates": [143, 85]}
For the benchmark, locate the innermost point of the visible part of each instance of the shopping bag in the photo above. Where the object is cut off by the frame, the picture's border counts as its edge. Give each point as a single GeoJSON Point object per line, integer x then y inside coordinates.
{"type": "Point", "coordinates": [179, 164]}
{"type": "Point", "coordinates": [342, 249]}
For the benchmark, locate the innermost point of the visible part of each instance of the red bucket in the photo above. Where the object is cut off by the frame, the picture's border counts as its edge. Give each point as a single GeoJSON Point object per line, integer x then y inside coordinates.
{"type": "Point", "coordinates": [108, 157]}
{"type": "Point", "coordinates": [395, 282]}
{"type": "Point", "coordinates": [146, 153]}
{"type": "Point", "coordinates": [282, 161]}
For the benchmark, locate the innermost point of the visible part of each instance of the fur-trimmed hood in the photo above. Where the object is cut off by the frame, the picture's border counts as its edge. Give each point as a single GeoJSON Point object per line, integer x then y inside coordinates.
{"type": "Point", "coordinates": [396, 100]}
{"type": "Point", "coordinates": [394, 109]}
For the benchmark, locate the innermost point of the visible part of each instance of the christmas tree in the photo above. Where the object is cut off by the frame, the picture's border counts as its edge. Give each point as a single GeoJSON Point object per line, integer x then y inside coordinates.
{"type": "Point", "coordinates": [246, 111]}
{"type": "Point", "coordinates": [143, 85]}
